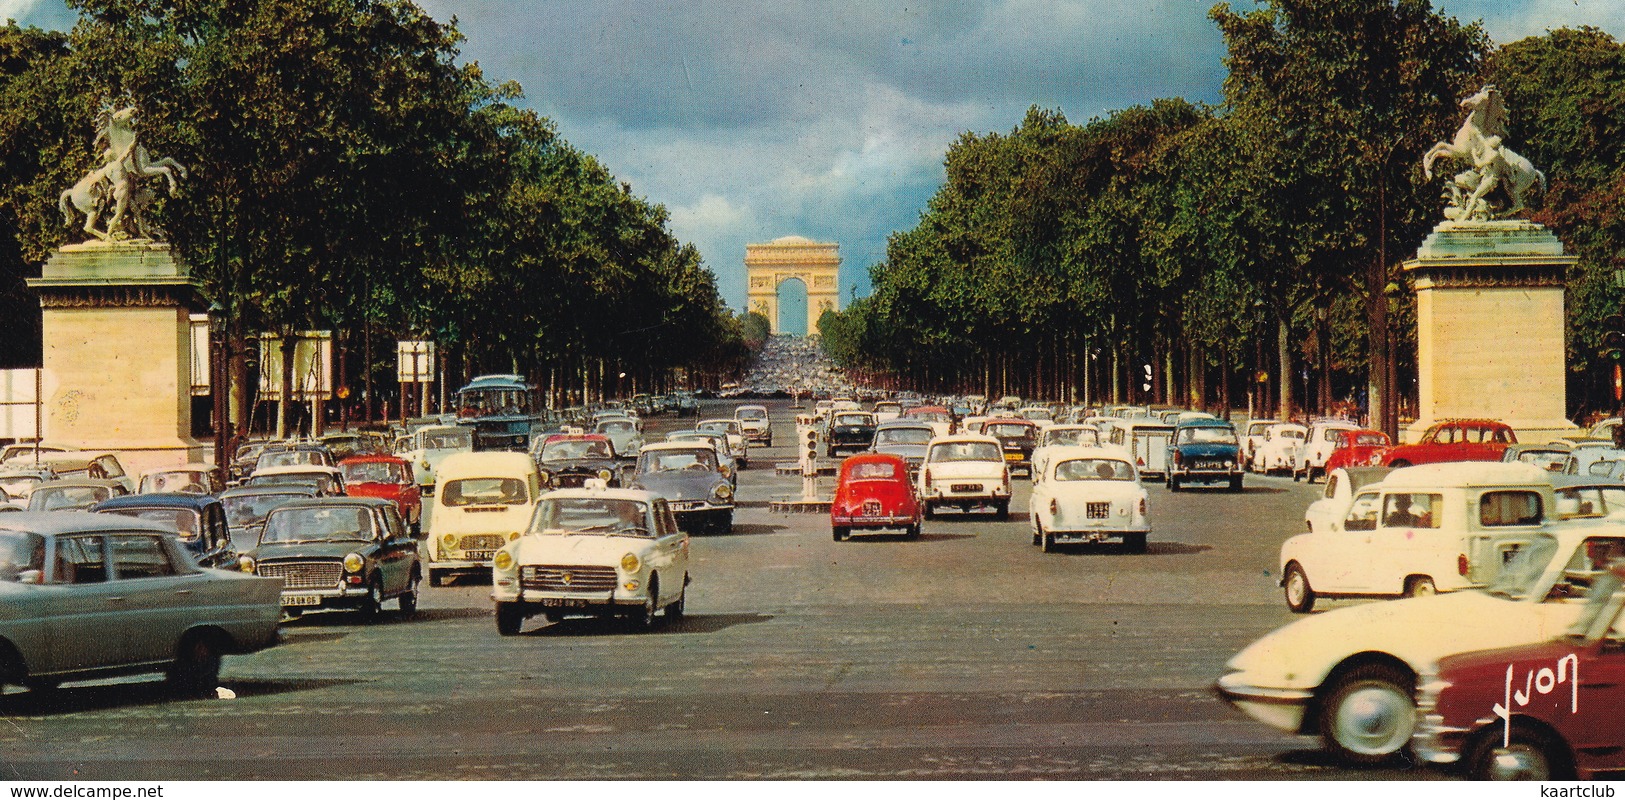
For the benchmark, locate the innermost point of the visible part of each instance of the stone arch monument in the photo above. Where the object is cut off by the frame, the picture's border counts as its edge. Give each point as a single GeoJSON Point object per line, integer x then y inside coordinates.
{"type": "Point", "coordinates": [816, 264]}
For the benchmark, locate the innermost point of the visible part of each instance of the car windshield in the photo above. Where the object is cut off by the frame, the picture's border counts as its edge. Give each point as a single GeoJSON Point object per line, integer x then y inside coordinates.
{"type": "Point", "coordinates": [22, 556]}
{"type": "Point", "coordinates": [317, 479]}
{"type": "Point", "coordinates": [573, 449]}
{"type": "Point", "coordinates": [1207, 435]}
{"type": "Point", "coordinates": [317, 524]}
{"type": "Point", "coordinates": [606, 515]}
{"type": "Point", "coordinates": [1549, 460]}
{"type": "Point", "coordinates": [904, 436]}
{"type": "Point", "coordinates": [1523, 568]}
{"type": "Point", "coordinates": [929, 416]}
{"type": "Point", "coordinates": [188, 481]}
{"type": "Point", "coordinates": [65, 498]}
{"type": "Point", "coordinates": [1037, 414]}
{"type": "Point", "coordinates": [374, 472]}
{"type": "Point", "coordinates": [186, 522]}
{"type": "Point", "coordinates": [446, 440]}
{"type": "Point", "coordinates": [616, 426]}
{"type": "Point", "coordinates": [1076, 438]}
{"type": "Point", "coordinates": [20, 485]}
{"type": "Point", "coordinates": [669, 460]}
{"type": "Point", "coordinates": [1371, 440]}
{"type": "Point", "coordinates": [718, 427]}
{"type": "Point", "coordinates": [1094, 469]}
{"type": "Point", "coordinates": [1008, 430]}
{"type": "Point", "coordinates": [1290, 434]}
{"type": "Point", "coordinates": [750, 413]}
{"type": "Point", "coordinates": [246, 510]}
{"type": "Point", "coordinates": [290, 458]}
{"type": "Point", "coordinates": [484, 492]}
{"type": "Point", "coordinates": [966, 451]}
{"type": "Point", "coordinates": [853, 419]}
{"type": "Point", "coordinates": [872, 471]}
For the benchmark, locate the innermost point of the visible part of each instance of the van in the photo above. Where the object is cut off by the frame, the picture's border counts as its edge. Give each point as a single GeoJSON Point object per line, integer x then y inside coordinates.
{"type": "Point", "coordinates": [1148, 439]}
{"type": "Point", "coordinates": [482, 501]}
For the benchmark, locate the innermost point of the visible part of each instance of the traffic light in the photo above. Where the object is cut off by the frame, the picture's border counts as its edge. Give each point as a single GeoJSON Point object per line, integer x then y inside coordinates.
{"type": "Point", "coordinates": [809, 442]}
{"type": "Point", "coordinates": [1613, 337]}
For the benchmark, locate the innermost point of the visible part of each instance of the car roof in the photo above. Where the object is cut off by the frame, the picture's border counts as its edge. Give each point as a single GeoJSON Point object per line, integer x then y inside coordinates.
{"type": "Point", "coordinates": [266, 488]}
{"type": "Point", "coordinates": [1467, 474]}
{"type": "Point", "coordinates": [1203, 422]}
{"type": "Point", "coordinates": [1573, 481]}
{"type": "Point", "coordinates": [870, 458]}
{"type": "Point", "coordinates": [965, 437]}
{"type": "Point", "coordinates": [79, 483]}
{"type": "Point", "coordinates": [606, 493]}
{"type": "Point", "coordinates": [373, 458]}
{"type": "Point", "coordinates": [1073, 451]}
{"type": "Point", "coordinates": [328, 502]}
{"type": "Point", "coordinates": [497, 382]}
{"type": "Point", "coordinates": [65, 522]}
{"type": "Point", "coordinates": [919, 425]}
{"type": "Point", "coordinates": [483, 464]}
{"type": "Point", "coordinates": [654, 446]}
{"type": "Point", "coordinates": [575, 437]}
{"type": "Point", "coordinates": [196, 502]}
{"type": "Point", "coordinates": [294, 469]}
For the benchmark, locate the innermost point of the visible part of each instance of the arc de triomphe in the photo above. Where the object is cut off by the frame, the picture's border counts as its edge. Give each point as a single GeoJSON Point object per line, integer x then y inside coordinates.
{"type": "Point", "coordinates": [816, 264]}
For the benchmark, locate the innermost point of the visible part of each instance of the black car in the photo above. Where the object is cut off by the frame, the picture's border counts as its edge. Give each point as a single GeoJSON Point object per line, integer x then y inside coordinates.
{"type": "Point", "coordinates": [569, 461]}
{"type": "Point", "coordinates": [350, 553]}
{"type": "Point", "coordinates": [852, 431]}
{"type": "Point", "coordinates": [1018, 437]}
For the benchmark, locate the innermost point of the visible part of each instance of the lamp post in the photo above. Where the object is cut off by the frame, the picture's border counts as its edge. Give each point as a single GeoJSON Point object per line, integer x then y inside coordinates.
{"type": "Point", "coordinates": [220, 389]}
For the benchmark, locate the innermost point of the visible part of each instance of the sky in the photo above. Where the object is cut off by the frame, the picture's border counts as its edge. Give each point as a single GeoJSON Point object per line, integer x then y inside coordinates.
{"type": "Point", "coordinates": [750, 121]}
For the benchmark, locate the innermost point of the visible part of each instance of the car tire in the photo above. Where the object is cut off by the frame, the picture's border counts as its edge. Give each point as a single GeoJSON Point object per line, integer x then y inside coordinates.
{"type": "Point", "coordinates": [1400, 464]}
{"type": "Point", "coordinates": [510, 618]}
{"type": "Point", "coordinates": [643, 618]}
{"type": "Point", "coordinates": [1038, 533]}
{"type": "Point", "coordinates": [723, 523]}
{"type": "Point", "coordinates": [1532, 754]}
{"type": "Point", "coordinates": [678, 607]}
{"type": "Point", "coordinates": [1134, 542]}
{"type": "Point", "coordinates": [196, 670]}
{"type": "Point", "coordinates": [928, 510]}
{"type": "Point", "coordinates": [436, 579]}
{"type": "Point", "coordinates": [1420, 586]}
{"type": "Point", "coordinates": [1235, 484]}
{"type": "Point", "coordinates": [1300, 596]}
{"type": "Point", "coordinates": [409, 598]}
{"type": "Point", "coordinates": [913, 531]}
{"type": "Point", "coordinates": [840, 532]}
{"type": "Point", "coordinates": [372, 603]}
{"type": "Point", "coordinates": [1369, 714]}
{"type": "Point", "coordinates": [1048, 543]}
{"type": "Point", "coordinates": [1173, 484]}
{"type": "Point", "coordinates": [1001, 511]}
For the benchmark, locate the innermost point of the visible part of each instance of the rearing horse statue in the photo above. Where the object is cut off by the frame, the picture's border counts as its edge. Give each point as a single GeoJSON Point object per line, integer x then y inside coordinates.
{"type": "Point", "coordinates": [1492, 165]}
{"type": "Point", "coordinates": [117, 182]}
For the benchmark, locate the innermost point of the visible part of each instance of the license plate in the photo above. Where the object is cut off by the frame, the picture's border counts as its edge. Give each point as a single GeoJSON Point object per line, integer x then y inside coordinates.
{"type": "Point", "coordinates": [870, 520]}
{"type": "Point", "coordinates": [561, 602]}
{"type": "Point", "coordinates": [1209, 465]}
{"type": "Point", "coordinates": [966, 487]}
{"type": "Point", "coordinates": [1012, 456]}
{"type": "Point", "coordinates": [687, 505]}
{"type": "Point", "coordinates": [301, 599]}
{"type": "Point", "coordinates": [479, 555]}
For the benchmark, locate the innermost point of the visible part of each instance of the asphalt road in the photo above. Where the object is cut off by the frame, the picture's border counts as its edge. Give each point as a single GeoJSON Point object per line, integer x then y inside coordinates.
{"type": "Point", "coordinates": [967, 654]}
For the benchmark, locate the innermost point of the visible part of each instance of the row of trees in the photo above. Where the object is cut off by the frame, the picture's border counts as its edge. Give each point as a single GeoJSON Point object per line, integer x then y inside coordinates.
{"type": "Point", "coordinates": [347, 173]}
{"type": "Point", "coordinates": [1184, 254]}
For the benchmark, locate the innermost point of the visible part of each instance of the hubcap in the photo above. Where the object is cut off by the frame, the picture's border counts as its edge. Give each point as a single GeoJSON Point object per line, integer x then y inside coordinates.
{"type": "Point", "coordinates": [1374, 721]}
{"type": "Point", "coordinates": [1295, 588]}
{"type": "Point", "coordinates": [1520, 762]}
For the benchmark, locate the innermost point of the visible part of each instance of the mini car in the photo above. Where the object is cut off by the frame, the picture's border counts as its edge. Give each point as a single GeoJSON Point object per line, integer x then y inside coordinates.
{"type": "Point", "coordinates": [345, 553]}
{"type": "Point", "coordinates": [754, 422]}
{"type": "Point", "coordinates": [198, 520]}
{"type": "Point", "coordinates": [1256, 432]}
{"type": "Point", "coordinates": [594, 551]}
{"type": "Point", "coordinates": [965, 471]}
{"type": "Point", "coordinates": [1355, 449]}
{"type": "Point", "coordinates": [482, 501]}
{"type": "Point", "coordinates": [97, 595]}
{"type": "Point", "coordinates": [873, 493]}
{"type": "Point", "coordinates": [388, 477]}
{"type": "Point", "coordinates": [689, 477]}
{"type": "Point", "coordinates": [1089, 494]}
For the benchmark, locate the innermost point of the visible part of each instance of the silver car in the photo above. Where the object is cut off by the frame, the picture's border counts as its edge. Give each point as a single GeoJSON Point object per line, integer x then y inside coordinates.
{"type": "Point", "coordinates": [94, 595]}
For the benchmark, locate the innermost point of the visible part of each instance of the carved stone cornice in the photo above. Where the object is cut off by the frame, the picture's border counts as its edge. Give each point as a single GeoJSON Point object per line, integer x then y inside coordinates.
{"type": "Point", "coordinates": [1532, 273]}
{"type": "Point", "coordinates": [174, 295]}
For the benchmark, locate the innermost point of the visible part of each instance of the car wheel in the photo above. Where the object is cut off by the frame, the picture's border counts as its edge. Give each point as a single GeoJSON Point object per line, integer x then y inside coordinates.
{"type": "Point", "coordinates": [1369, 714]}
{"type": "Point", "coordinates": [1001, 511]}
{"type": "Point", "coordinates": [723, 523]}
{"type": "Point", "coordinates": [1531, 754]}
{"type": "Point", "coordinates": [409, 600]}
{"type": "Point", "coordinates": [1235, 484]}
{"type": "Point", "coordinates": [372, 603]}
{"type": "Point", "coordinates": [840, 532]}
{"type": "Point", "coordinates": [1173, 484]}
{"type": "Point", "coordinates": [1421, 586]}
{"type": "Point", "coordinates": [1400, 464]}
{"type": "Point", "coordinates": [679, 607]}
{"type": "Point", "coordinates": [1048, 544]}
{"type": "Point", "coordinates": [1300, 597]}
{"type": "Point", "coordinates": [929, 511]}
{"type": "Point", "coordinates": [435, 578]}
{"type": "Point", "coordinates": [1134, 542]}
{"type": "Point", "coordinates": [1038, 533]}
{"type": "Point", "coordinates": [913, 531]}
{"type": "Point", "coordinates": [197, 667]}
{"type": "Point", "coordinates": [510, 617]}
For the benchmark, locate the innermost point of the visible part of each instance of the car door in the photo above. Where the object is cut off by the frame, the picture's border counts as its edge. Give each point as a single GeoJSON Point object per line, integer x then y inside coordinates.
{"type": "Point", "coordinates": [396, 549]}
{"type": "Point", "coordinates": [1405, 541]}
{"type": "Point", "coordinates": [1339, 562]}
{"type": "Point", "coordinates": [672, 543]}
{"type": "Point", "coordinates": [86, 613]}
{"type": "Point", "coordinates": [1597, 726]}
{"type": "Point", "coordinates": [156, 592]}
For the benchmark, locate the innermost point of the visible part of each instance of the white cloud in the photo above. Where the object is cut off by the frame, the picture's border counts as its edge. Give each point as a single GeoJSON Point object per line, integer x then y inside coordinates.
{"type": "Point", "coordinates": [17, 9]}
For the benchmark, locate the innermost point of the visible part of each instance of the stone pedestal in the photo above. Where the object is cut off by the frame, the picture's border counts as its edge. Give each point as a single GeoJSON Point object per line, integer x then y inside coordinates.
{"type": "Point", "coordinates": [1489, 327]}
{"type": "Point", "coordinates": [118, 352]}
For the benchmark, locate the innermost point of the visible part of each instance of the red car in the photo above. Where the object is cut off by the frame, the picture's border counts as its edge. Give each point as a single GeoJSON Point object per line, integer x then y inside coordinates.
{"type": "Point", "coordinates": [874, 493]}
{"type": "Point", "coordinates": [387, 477]}
{"type": "Point", "coordinates": [1355, 448]}
{"type": "Point", "coordinates": [1451, 440]}
{"type": "Point", "coordinates": [1547, 711]}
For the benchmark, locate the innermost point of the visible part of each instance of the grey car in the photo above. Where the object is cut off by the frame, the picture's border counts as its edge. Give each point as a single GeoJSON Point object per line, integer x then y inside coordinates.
{"type": "Point", "coordinates": [688, 476]}
{"type": "Point", "coordinates": [86, 596]}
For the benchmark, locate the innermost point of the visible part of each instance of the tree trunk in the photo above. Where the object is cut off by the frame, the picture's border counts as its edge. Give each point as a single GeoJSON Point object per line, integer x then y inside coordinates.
{"type": "Point", "coordinates": [1284, 366]}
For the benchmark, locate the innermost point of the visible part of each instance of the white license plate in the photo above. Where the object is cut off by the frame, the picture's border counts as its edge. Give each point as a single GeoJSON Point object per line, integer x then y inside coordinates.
{"type": "Point", "coordinates": [687, 505]}
{"type": "Point", "coordinates": [1209, 465]}
{"type": "Point", "coordinates": [559, 602]}
{"type": "Point", "coordinates": [966, 487]}
{"type": "Point", "coordinates": [301, 599]}
{"type": "Point", "coordinates": [870, 520]}
{"type": "Point", "coordinates": [479, 555]}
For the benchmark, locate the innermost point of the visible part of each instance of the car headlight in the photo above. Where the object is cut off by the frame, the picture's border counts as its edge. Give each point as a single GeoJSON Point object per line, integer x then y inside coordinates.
{"type": "Point", "coordinates": [630, 562]}
{"type": "Point", "coordinates": [425, 465]}
{"type": "Point", "coordinates": [545, 477]}
{"type": "Point", "coordinates": [354, 562]}
{"type": "Point", "coordinates": [448, 541]}
{"type": "Point", "coordinates": [722, 492]}
{"type": "Point", "coordinates": [606, 475]}
{"type": "Point", "coordinates": [246, 564]}
{"type": "Point", "coordinates": [503, 560]}
{"type": "Point", "coordinates": [726, 473]}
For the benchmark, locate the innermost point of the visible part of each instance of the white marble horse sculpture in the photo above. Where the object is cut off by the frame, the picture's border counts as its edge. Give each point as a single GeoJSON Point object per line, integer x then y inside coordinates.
{"type": "Point", "coordinates": [117, 182]}
{"type": "Point", "coordinates": [1493, 165]}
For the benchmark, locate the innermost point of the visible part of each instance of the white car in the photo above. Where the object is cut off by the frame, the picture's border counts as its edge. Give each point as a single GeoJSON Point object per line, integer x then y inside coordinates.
{"type": "Point", "coordinates": [1058, 436]}
{"type": "Point", "coordinates": [1318, 444]}
{"type": "Point", "coordinates": [1350, 675]}
{"type": "Point", "coordinates": [1279, 452]}
{"type": "Point", "coordinates": [966, 470]}
{"type": "Point", "coordinates": [430, 445]}
{"type": "Point", "coordinates": [1089, 494]}
{"type": "Point", "coordinates": [1253, 437]}
{"type": "Point", "coordinates": [1039, 415]}
{"type": "Point", "coordinates": [736, 438]}
{"type": "Point", "coordinates": [1421, 530]}
{"type": "Point", "coordinates": [597, 552]}
{"type": "Point", "coordinates": [754, 423]}
{"type": "Point", "coordinates": [1585, 454]}
{"type": "Point", "coordinates": [1327, 513]}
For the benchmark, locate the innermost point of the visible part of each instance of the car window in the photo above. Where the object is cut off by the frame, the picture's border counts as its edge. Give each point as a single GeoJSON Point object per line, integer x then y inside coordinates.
{"type": "Point", "coordinates": [904, 436]}
{"type": "Point", "coordinates": [373, 472]}
{"type": "Point", "coordinates": [1411, 510]}
{"type": "Point", "coordinates": [1332, 482]}
{"type": "Point", "coordinates": [1362, 514]}
{"type": "Point", "coordinates": [1588, 561]}
{"type": "Point", "coordinates": [110, 467]}
{"type": "Point", "coordinates": [484, 491]}
{"type": "Point", "coordinates": [1008, 430]}
{"type": "Point", "coordinates": [140, 557]}
{"type": "Point", "coordinates": [22, 557]}
{"type": "Point", "coordinates": [1509, 508]}
{"type": "Point", "coordinates": [1206, 435]}
{"type": "Point", "coordinates": [1371, 440]}
{"type": "Point", "coordinates": [80, 559]}
{"type": "Point", "coordinates": [872, 471]}
{"type": "Point", "coordinates": [966, 451]}
{"type": "Point", "coordinates": [185, 521]}
{"type": "Point", "coordinates": [1094, 469]}
{"type": "Point", "coordinates": [671, 460]}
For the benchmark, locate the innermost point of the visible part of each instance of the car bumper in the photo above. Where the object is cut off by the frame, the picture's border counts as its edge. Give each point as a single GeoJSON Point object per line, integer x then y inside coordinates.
{"type": "Point", "coordinates": [345, 596]}
{"type": "Point", "coordinates": [1283, 709]}
{"type": "Point", "coordinates": [1214, 475]}
{"type": "Point", "coordinates": [873, 522]}
{"type": "Point", "coordinates": [997, 492]}
{"type": "Point", "coordinates": [1436, 742]}
{"type": "Point", "coordinates": [535, 601]}
{"type": "Point", "coordinates": [687, 507]}
{"type": "Point", "coordinates": [1087, 535]}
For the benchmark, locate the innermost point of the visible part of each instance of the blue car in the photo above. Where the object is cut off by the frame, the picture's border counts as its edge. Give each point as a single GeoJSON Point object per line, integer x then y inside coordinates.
{"type": "Point", "coordinates": [1204, 451]}
{"type": "Point", "coordinates": [199, 519]}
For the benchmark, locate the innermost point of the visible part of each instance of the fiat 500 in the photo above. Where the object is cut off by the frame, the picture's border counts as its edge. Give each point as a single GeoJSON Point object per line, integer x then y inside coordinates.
{"type": "Point", "coordinates": [873, 493]}
{"type": "Point", "coordinates": [593, 551]}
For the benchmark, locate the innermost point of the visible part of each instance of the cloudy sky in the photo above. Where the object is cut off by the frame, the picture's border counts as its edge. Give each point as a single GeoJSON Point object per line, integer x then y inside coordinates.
{"type": "Point", "coordinates": [755, 120]}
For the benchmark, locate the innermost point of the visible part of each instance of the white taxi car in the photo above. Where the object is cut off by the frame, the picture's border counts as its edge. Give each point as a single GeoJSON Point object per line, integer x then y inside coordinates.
{"type": "Point", "coordinates": [596, 552]}
{"type": "Point", "coordinates": [965, 470]}
{"type": "Point", "coordinates": [1089, 494]}
{"type": "Point", "coordinates": [1350, 675]}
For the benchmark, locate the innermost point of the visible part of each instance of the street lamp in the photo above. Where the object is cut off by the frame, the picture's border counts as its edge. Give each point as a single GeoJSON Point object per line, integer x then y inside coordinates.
{"type": "Point", "coordinates": [219, 389]}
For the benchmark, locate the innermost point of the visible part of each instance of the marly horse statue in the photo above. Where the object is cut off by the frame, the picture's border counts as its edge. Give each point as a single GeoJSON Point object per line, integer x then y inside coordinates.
{"type": "Point", "coordinates": [1493, 165]}
{"type": "Point", "coordinates": [117, 182]}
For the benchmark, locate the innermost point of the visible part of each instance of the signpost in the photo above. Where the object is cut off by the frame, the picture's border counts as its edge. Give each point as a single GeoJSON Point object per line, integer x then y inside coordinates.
{"type": "Point", "coordinates": [414, 364]}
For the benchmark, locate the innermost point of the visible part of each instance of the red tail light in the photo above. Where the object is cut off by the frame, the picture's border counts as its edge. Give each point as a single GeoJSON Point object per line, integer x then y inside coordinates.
{"type": "Point", "coordinates": [1142, 506]}
{"type": "Point", "coordinates": [1054, 507]}
{"type": "Point", "coordinates": [1461, 563]}
{"type": "Point", "coordinates": [1139, 462]}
